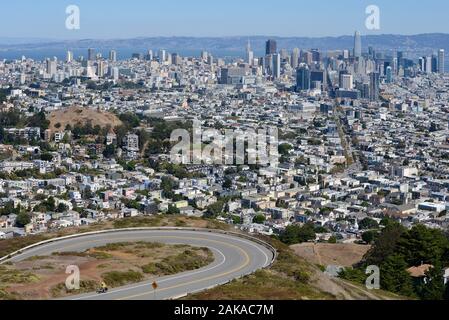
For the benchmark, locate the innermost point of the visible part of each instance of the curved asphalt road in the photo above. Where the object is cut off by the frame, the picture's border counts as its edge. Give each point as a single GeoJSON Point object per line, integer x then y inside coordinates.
{"type": "Point", "coordinates": [234, 257]}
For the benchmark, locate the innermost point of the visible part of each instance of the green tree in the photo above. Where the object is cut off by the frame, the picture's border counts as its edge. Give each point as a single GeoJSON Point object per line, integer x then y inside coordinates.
{"type": "Point", "coordinates": [284, 149]}
{"type": "Point", "coordinates": [22, 219]}
{"type": "Point", "coordinates": [109, 151]}
{"type": "Point", "coordinates": [369, 236]}
{"type": "Point", "coordinates": [298, 234]}
{"type": "Point", "coordinates": [394, 276]}
{"type": "Point", "coordinates": [433, 288]}
{"type": "Point", "coordinates": [173, 210]}
{"type": "Point", "coordinates": [259, 219]}
{"type": "Point", "coordinates": [215, 209]}
{"type": "Point", "coordinates": [368, 223]}
{"type": "Point", "coordinates": [332, 240]}
{"type": "Point", "coordinates": [423, 245]}
{"type": "Point", "coordinates": [384, 246]}
{"type": "Point", "coordinates": [46, 157]}
{"type": "Point", "coordinates": [62, 208]}
{"type": "Point", "coordinates": [227, 183]}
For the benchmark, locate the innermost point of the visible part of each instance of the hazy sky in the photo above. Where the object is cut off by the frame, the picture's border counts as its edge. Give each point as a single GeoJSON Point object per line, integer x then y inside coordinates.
{"type": "Point", "coordinates": [134, 18]}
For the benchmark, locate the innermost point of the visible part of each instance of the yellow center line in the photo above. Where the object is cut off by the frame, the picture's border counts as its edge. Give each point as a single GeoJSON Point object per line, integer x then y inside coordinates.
{"type": "Point", "coordinates": [247, 261]}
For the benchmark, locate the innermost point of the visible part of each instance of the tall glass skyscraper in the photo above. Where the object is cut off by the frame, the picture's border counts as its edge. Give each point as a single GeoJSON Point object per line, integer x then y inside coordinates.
{"type": "Point", "coordinates": [271, 47]}
{"type": "Point", "coordinates": [441, 56]}
{"type": "Point", "coordinates": [303, 78]}
{"type": "Point", "coordinates": [357, 45]}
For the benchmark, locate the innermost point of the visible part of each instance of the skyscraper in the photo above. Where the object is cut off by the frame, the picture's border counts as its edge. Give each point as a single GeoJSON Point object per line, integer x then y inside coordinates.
{"type": "Point", "coordinates": [113, 56]}
{"type": "Point", "coordinates": [269, 64]}
{"type": "Point", "coordinates": [374, 86]}
{"type": "Point", "coordinates": [295, 58]}
{"type": "Point", "coordinates": [149, 56]}
{"type": "Point", "coordinates": [346, 82]}
{"type": "Point", "coordinates": [429, 64]}
{"type": "Point", "coordinates": [69, 56]}
{"type": "Point", "coordinates": [441, 56]}
{"type": "Point", "coordinates": [271, 47]}
{"type": "Point", "coordinates": [162, 55]}
{"type": "Point", "coordinates": [357, 45]}
{"type": "Point", "coordinates": [389, 74]}
{"type": "Point", "coordinates": [422, 63]}
{"type": "Point", "coordinates": [101, 69]}
{"type": "Point", "coordinates": [276, 66]}
{"type": "Point", "coordinates": [249, 54]}
{"type": "Point", "coordinates": [303, 78]}
{"type": "Point", "coordinates": [51, 67]}
{"type": "Point", "coordinates": [91, 54]}
{"type": "Point", "coordinates": [434, 63]}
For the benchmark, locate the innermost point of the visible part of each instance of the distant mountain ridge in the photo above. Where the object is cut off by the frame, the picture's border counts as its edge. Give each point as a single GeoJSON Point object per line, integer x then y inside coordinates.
{"type": "Point", "coordinates": [387, 42]}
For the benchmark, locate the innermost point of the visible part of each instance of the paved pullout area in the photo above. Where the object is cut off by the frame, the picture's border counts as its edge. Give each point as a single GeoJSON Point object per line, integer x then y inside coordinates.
{"type": "Point", "coordinates": [234, 257]}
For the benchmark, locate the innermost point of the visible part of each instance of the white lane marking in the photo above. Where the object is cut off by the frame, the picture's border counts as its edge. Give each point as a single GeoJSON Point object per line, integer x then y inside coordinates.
{"type": "Point", "coordinates": [163, 280]}
{"type": "Point", "coordinates": [249, 242]}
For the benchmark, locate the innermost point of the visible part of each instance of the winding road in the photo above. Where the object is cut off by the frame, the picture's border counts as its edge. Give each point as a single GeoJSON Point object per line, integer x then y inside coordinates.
{"type": "Point", "coordinates": [235, 257]}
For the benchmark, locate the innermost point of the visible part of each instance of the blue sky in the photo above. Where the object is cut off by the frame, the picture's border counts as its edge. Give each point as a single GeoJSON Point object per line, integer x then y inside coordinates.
{"type": "Point", "coordinates": [134, 18]}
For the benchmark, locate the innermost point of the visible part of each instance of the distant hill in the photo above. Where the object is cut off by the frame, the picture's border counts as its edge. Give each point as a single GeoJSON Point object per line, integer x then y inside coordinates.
{"type": "Point", "coordinates": [421, 43]}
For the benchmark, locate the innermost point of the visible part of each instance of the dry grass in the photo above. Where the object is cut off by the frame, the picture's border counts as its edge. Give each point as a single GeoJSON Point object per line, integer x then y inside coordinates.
{"type": "Point", "coordinates": [325, 254]}
{"type": "Point", "coordinates": [77, 115]}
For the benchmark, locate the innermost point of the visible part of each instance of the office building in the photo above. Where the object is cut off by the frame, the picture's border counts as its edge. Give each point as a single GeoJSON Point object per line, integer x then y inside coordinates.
{"type": "Point", "coordinates": [389, 74]}
{"type": "Point", "coordinates": [434, 63]}
{"type": "Point", "coordinates": [249, 54]}
{"type": "Point", "coordinates": [150, 55]}
{"type": "Point", "coordinates": [232, 76]}
{"type": "Point", "coordinates": [91, 54]}
{"type": "Point", "coordinates": [101, 69]}
{"type": "Point", "coordinates": [175, 59]}
{"type": "Point", "coordinates": [374, 86]}
{"type": "Point", "coordinates": [357, 45]}
{"type": "Point", "coordinates": [162, 55]}
{"type": "Point", "coordinates": [113, 56]}
{"type": "Point", "coordinates": [429, 64]}
{"type": "Point", "coordinates": [295, 58]}
{"type": "Point", "coordinates": [318, 76]}
{"type": "Point", "coordinates": [346, 82]}
{"type": "Point", "coordinates": [69, 58]}
{"type": "Point", "coordinates": [269, 64]}
{"type": "Point", "coordinates": [51, 67]}
{"type": "Point", "coordinates": [441, 56]}
{"type": "Point", "coordinates": [271, 47]}
{"type": "Point", "coordinates": [276, 66]}
{"type": "Point", "coordinates": [303, 78]}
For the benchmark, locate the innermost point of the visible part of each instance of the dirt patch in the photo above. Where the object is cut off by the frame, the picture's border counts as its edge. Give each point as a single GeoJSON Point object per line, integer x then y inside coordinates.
{"type": "Point", "coordinates": [324, 254]}
{"type": "Point", "coordinates": [77, 115]}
